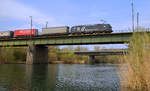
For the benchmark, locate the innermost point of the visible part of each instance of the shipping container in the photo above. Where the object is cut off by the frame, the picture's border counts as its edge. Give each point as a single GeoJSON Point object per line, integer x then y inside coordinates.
{"type": "Point", "coordinates": [6, 33]}
{"type": "Point", "coordinates": [55, 30]}
{"type": "Point", "coordinates": [25, 32]}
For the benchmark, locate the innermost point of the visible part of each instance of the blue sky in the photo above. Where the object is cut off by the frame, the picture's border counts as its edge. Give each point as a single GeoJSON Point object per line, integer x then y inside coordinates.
{"type": "Point", "coordinates": [15, 13]}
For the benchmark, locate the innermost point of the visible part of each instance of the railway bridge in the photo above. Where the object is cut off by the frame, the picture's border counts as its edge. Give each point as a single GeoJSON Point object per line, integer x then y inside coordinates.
{"type": "Point", "coordinates": [38, 46]}
{"type": "Point", "coordinates": [104, 52]}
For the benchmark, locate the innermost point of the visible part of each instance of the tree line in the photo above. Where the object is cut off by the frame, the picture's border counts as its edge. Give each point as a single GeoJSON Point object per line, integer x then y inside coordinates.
{"type": "Point", "coordinates": [55, 55]}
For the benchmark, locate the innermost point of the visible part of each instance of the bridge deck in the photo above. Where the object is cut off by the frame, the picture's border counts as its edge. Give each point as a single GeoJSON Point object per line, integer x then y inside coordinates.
{"type": "Point", "coordinates": [103, 52]}
{"type": "Point", "coordinates": [114, 38]}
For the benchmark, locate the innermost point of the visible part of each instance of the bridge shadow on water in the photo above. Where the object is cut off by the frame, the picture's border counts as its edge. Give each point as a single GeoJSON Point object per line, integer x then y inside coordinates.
{"type": "Point", "coordinates": [40, 78]}
{"type": "Point", "coordinates": [58, 77]}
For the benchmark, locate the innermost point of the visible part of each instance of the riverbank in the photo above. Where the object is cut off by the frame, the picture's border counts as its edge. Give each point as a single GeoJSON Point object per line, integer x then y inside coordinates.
{"type": "Point", "coordinates": [61, 62]}
{"type": "Point", "coordinates": [138, 64]}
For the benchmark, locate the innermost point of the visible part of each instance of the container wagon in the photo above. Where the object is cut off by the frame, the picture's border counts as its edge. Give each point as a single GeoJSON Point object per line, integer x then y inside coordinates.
{"type": "Point", "coordinates": [55, 30]}
{"type": "Point", "coordinates": [96, 28]}
{"type": "Point", "coordinates": [6, 34]}
{"type": "Point", "coordinates": [25, 32]}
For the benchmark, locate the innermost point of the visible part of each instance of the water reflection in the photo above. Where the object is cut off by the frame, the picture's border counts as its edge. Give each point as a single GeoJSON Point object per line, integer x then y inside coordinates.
{"type": "Point", "coordinates": [60, 77]}
{"type": "Point", "coordinates": [40, 78]}
{"type": "Point", "coordinates": [12, 77]}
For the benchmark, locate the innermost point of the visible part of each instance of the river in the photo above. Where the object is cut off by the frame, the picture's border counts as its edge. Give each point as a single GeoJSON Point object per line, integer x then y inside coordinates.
{"type": "Point", "coordinates": [59, 77]}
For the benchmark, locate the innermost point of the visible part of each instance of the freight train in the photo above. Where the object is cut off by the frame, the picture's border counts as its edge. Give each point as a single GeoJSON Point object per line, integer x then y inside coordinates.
{"type": "Point", "coordinates": [65, 30]}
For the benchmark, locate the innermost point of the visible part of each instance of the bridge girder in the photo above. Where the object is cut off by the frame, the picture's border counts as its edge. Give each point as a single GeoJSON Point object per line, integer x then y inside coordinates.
{"type": "Point", "coordinates": [116, 38]}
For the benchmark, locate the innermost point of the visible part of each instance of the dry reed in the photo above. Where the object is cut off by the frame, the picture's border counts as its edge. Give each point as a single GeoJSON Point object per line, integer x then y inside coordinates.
{"type": "Point", "coordinates": [137, 76]}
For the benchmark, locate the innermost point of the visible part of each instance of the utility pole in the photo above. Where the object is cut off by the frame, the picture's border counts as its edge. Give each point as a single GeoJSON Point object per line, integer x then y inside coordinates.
{"type": "Point", "coordinates": [137, 21]}
{"type": "Point", "coordinates": [31, 27]}
{"type": "Point", "coordinates": [46, 24]}
{"type": "Point", "coordinates": [132, 5]}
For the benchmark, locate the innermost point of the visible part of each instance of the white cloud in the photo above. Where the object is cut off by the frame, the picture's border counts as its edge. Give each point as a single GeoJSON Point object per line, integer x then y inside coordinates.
{"type": "Point", "coordinates": [11, 9]}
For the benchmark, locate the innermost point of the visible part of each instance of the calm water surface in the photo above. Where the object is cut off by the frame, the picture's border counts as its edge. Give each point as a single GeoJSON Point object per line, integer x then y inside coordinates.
{"type": "Point", "coordinates": [58, 77]}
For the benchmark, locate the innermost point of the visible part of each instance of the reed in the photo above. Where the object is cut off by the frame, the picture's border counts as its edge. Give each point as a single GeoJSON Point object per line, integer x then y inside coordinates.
{"type": "Point", "coordinates": [137, 76]}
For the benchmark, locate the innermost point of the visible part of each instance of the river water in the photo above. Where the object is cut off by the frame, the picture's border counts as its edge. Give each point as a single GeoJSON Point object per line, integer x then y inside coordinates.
{"type": "Point", "coordinates": [59, 77]}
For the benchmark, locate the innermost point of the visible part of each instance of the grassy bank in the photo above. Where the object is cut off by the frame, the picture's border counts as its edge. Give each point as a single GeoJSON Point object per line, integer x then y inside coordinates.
{"type": "Point", "coordinates": [138, 63]}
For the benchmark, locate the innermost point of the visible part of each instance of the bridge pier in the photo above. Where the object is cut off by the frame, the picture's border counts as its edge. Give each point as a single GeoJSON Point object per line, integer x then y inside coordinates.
{"type": "Point", "coordinates": [92, 59]}
{"type": "Point", "coordinates": [37, 54]}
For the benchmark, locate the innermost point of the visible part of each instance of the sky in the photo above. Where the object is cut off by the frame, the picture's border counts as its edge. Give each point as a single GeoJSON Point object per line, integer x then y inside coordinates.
{"type": "Point", "coordinates": [14, 14]}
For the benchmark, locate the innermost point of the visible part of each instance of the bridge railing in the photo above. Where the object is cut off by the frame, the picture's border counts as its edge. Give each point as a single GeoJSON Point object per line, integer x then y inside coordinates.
{"type": "Point", "coordinates": [129, 30]}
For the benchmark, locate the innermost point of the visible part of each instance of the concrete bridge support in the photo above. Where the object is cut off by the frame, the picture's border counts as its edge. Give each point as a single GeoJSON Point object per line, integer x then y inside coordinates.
{"type": "Point", "coordinates": [92, 59]}
{"type": "Point", "coordinates": [37, 54]}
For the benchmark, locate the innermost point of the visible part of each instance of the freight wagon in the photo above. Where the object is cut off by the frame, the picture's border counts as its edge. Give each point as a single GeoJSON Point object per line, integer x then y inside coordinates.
{"type": "Point", "coordinates": [25, 32]}
{"type": "Point", "coordinates": [55, 30]}
{"type": "Point", "coordinates": [96, 28]}
{"type": "Point", "coordinates": [6, 34]}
